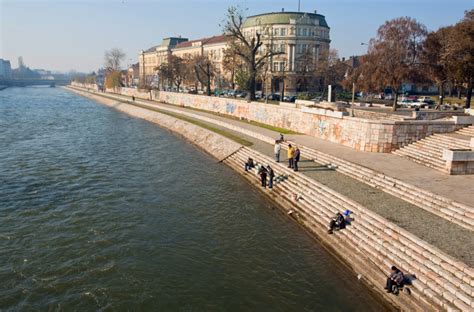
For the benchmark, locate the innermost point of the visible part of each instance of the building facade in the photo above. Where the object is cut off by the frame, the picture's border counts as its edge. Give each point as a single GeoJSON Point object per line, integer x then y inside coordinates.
{"type": "Point", "coordinates": [302, 38]}
{"type": "Point", "coordinates": [152, 58]}
{"type": "Point", "coordinates": [5, 69]}
{"type": "Point", "coordinates": [212, 48]}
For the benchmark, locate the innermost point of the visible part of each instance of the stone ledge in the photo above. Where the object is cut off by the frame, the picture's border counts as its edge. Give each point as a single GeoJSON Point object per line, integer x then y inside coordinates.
{"type": "Point", "coordinates": [451, 155]}
{"type": "Point", "coordinates": [323, 112]}
{"type": "Point", "coordinates": [463, 120]}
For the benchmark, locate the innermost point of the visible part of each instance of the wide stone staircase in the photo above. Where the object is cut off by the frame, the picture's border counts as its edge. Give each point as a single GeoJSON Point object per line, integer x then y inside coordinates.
{"type": "Point", "coordinates": [429, 151]}
{"type": "Point", "coordinates": [469, 131]}
{"type": "Point", "coordinates": [371, 244]}
{"type": "Point", "coordinates": [441, 206]}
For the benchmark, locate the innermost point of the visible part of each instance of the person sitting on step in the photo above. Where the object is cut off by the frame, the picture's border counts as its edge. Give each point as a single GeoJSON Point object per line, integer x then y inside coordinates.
{"type": "Point", "coordinates": [249, 164]}
{"type": "Point", "coordinates": [395, 281]}
{"type": "Point", "coordinates": [338, 221]}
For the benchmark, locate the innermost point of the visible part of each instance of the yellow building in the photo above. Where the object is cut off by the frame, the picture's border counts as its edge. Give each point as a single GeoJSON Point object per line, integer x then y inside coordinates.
{"type": "Point", "coordinates": [152, 58]}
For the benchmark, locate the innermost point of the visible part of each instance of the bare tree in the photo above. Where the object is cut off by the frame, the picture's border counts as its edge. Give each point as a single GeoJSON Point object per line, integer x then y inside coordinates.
{"type": "Point", "coordinates": [113, 58]}
{"type": "Point", "coordinates": [435, 58]}
{"type": "Point", "coordinates": [461, 54]}
{"type": "Point", "coordinates": [247, 47]}
{"type": "Point", "coordinates": [204, 71]}
{"type": "Point", "coordinates": [394, 55]}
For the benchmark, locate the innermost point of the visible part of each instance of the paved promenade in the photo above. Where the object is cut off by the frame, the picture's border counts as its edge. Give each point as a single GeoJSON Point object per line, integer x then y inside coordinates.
{"type": "Point", "coordinates": [460, 188]}
{"type": "Point", "coordinates": [448, 237]}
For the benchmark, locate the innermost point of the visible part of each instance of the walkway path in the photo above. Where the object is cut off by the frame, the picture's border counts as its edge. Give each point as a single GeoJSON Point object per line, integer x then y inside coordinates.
{"type": "Point", "coordinates": [450, 238]}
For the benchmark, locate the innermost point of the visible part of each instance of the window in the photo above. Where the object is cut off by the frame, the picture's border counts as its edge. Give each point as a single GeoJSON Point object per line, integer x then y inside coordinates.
{"type": "Point", "coordinates": [282, 47]}
{"type": "Point", "coordinates": [304, 47]}
{"type": "Point", "coordinates": [282, 31]}
{"type": "Point", "coordinates": [275, 31]}
{"type": "Point", "coordinates": [298, 31]}
{"type": "Point", "coordinates": [282, 66]}
{"type": "Point", "coordinates": [275, 66]}
{"type": "Point", "coordinates": [298, 48]}
{"type": "Point", "coordinates": [305, 32]}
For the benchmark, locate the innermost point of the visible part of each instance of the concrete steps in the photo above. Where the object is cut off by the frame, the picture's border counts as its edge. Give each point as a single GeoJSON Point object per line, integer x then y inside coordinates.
{"type": "Point", "coordinates": [429, 151]}
{"type": "Point", "coordinates": [439, 276]}
{"type": "Point", "coordinates": [469, 131]}
{"type": "Point", "coordinates": [443, 207]}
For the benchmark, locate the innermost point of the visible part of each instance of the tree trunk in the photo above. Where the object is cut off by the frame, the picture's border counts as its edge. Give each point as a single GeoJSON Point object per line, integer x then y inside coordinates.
{"type": "Point", "coordinates": [282, 95]}
{"type": "Point", "coordinates": [441, 96]}
{"type": "Point", "coordinates": [395, 99]}
{"type": "Point", "coordinates": [252, 84]}
{"type": "Point", "coordinates": [469, 94]}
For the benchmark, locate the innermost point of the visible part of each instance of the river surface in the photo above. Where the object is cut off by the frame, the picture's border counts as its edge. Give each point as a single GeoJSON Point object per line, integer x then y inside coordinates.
{"type": "Point", "coordinates": [101, 211]}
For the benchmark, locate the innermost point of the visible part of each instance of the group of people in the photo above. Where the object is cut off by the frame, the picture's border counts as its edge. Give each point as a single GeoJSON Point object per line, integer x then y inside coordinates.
{"type": "Point", "coordinates": [293, 153]}
{"type": "Point", "coordinates": [263, 172]}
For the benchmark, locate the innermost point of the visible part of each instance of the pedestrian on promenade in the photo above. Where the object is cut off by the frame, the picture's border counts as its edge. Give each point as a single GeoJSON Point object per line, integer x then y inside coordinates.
{"type": "Point", "coordinates": [282, 138]}
{"type": "Point", "coordinates": [271, 175]}
{"type": "Point", "coordinates": [133, 98]}
{"type": "Point", "coordinates": [263, 175]}
{"type": "Point", "coordinates": [291, 154]}
{"type": "Point", "coordinates": [395, 281]}
{"type": "Point", "coordinates": [249, 164]}
{"type": "Point", "coordinates": [277, 150]}
{"type": "Point", "coordinates": [296, 159]}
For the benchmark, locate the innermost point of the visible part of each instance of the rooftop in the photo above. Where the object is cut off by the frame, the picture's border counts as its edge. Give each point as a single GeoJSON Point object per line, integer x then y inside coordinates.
{"type": "Point", "coordinates": [282, 18]}
{"type": "Point", "coordinates": [204, 41]}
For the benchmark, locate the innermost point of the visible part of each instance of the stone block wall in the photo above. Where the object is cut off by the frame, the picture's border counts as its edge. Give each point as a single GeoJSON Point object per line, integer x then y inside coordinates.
{"type": "Point", "coordinates": [382, 136]}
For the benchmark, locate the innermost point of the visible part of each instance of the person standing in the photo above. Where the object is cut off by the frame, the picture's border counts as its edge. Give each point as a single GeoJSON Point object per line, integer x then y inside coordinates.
{"type": "Point", "coordinates": [296, 159]}
{"type": "Point", "coordinates": [291, 154]}
{"type": "Point", "coordinates": [263, 176]}
{"type": "Point", "coordinates": [277, 150]}
{"type": "Point", "coordinates": [271, 175]}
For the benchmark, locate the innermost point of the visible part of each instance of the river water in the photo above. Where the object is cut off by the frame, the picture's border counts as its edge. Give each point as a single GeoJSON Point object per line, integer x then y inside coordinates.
{"type": "Point", "coordinates": [101, 211]}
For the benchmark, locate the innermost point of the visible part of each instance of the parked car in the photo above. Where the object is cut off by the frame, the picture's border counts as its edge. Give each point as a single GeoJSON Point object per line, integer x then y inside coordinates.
{"type": "Point", "coordinates": [290, 98]}
{"type": "Point", "coordinates": [317, 99]}
{"type": "Point", "coordinates": [407, 103]}
{"type": "Point", "coordinates": [273, 97]}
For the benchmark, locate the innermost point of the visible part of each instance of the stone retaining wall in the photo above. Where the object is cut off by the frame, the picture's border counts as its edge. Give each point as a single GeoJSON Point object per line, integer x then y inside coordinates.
{"type": "Point", "coordinates": [362, 134]}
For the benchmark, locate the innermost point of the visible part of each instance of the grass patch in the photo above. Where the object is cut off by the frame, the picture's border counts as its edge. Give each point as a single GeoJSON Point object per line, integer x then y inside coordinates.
{"type": "Point", "coordinates": [198, 123]}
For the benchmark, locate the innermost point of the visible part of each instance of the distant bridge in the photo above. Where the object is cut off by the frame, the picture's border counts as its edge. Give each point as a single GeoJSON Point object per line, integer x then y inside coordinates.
{"type": "Point", "coordinates": [34, 82]}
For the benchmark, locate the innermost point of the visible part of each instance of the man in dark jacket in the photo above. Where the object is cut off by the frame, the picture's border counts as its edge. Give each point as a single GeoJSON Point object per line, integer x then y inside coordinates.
{"type": "Point", "coordinates": [263, 176]}
{"type": "Point", "coordinates": [271, 175]}
{"type": "Point", "coordinates": [296, 159]}
{"type": "Point", "coordinates": [337, 221]}
{"type": "Point", "coordinates": [395, 280]}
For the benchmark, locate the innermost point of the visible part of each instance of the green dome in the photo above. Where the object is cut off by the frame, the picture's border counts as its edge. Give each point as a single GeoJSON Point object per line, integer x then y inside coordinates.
{"type": "Point", "coordinates": [282, 18]}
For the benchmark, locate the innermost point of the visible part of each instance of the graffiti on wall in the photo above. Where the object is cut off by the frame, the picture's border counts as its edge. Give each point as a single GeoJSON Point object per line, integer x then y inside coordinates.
{"type": "Point", "coordinates": [321, 126]}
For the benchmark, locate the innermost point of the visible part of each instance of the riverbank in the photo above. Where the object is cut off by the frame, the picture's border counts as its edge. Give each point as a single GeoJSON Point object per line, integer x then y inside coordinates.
{"type": "Point", "coordinates": [315, 217]}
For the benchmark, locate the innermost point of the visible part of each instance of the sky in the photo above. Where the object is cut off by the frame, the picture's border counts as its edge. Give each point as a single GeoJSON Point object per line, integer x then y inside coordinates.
{"type": "Point", "coordinates": [64, 35]}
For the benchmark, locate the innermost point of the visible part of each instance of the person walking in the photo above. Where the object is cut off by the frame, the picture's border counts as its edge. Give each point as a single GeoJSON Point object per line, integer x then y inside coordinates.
{"type": "Point", "coordinates": [271, 175]}
{"type": "Point", "coordinates": [277, 150]}
{"type": "Point", "coordinates": [291, 154]}
{"type": "Point", "coordinates": [133, 98]}
{"type": "Point", "coordinates": [263, 176]}
{"type": "Point", "coordinates": [296, 159]}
